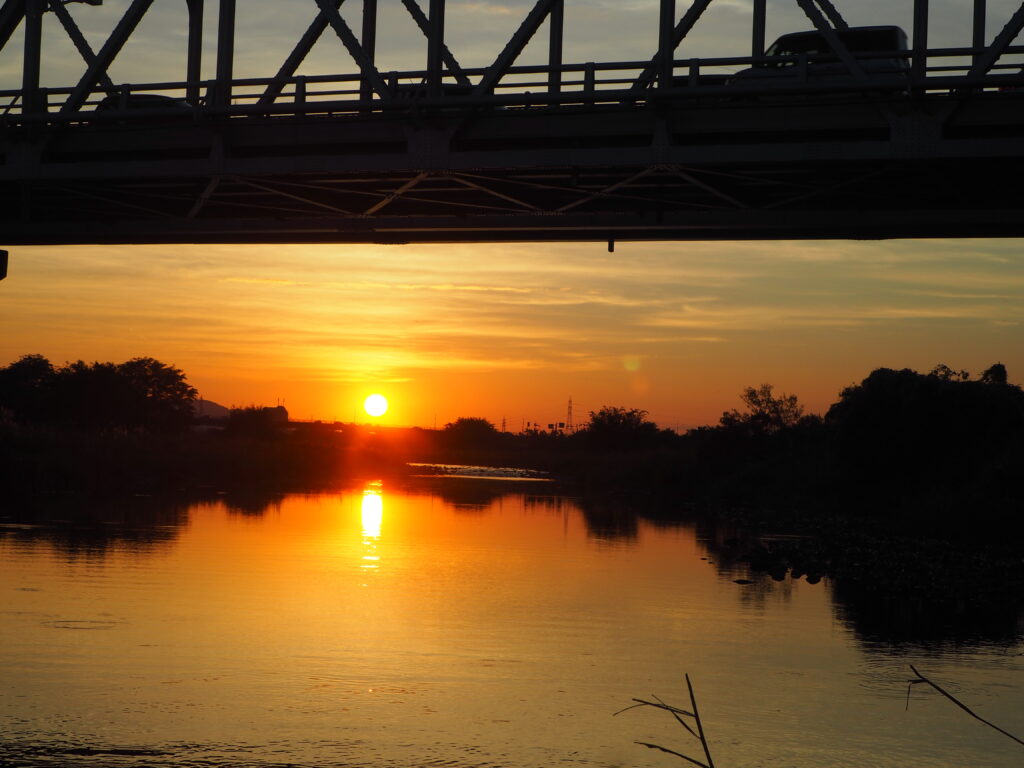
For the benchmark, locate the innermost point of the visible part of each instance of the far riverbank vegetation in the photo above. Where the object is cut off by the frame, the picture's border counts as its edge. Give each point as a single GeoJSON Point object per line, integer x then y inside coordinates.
{"type": "Point", "coordinates": [943, 450]}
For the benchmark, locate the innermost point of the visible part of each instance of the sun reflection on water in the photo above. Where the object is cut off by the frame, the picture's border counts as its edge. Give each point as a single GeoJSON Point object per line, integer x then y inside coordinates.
{"type": "Point", "coordinates": [372, 509]}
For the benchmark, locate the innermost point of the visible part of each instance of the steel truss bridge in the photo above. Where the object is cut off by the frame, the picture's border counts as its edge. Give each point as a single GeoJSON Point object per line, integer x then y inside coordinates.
{"type": "Point", "coordinates": [657, 149]}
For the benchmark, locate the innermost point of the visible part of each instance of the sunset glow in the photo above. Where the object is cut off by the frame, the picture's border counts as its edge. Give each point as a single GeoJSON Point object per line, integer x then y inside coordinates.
{"type": "Point", "coordinates": [676, 329]}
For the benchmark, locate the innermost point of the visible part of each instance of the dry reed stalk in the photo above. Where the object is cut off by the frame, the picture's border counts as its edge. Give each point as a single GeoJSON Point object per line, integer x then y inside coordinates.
{"type": "Point", "coordinates": [679, 714]}
{"type": "Point", "coordinates": [922, 679]}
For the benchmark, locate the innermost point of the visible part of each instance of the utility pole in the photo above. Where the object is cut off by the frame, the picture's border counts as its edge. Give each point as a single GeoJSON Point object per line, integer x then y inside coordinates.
{"type": "Point", "coordinates": [568, 420]}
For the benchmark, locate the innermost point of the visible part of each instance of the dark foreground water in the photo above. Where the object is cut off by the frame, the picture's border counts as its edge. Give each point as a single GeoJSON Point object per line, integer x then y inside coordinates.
{"type": "Point", "coordinates": [455, 625]}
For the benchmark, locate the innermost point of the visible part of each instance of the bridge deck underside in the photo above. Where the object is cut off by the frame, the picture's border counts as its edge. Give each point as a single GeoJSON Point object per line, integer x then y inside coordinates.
{"type": "Point", "coordinates": [769, 168]}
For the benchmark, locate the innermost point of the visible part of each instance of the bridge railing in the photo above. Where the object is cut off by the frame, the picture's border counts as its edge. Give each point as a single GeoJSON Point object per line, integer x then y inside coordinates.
{"type": "Point", "coordinates": [947, 71]}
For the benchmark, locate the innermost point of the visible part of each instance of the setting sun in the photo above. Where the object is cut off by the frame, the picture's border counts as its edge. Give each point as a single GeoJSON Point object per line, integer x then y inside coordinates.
{"type": "Point", "coordinates": [375, 405]}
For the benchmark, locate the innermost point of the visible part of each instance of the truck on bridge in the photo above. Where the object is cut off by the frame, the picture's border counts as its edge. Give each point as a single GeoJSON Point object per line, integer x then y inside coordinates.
{"type": "Point", "coordinates": [877, 52]}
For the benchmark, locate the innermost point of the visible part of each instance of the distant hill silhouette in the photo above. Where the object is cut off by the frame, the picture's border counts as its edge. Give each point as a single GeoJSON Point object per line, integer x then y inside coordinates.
{"type": "Point", "coordinates": [207, 409]}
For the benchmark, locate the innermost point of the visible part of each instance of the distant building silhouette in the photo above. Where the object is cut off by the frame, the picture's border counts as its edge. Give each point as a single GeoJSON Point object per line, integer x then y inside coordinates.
{"type": "Point", "coordinates": [258, 420]}
{"type": "Point", "coordinates": [277, 415]}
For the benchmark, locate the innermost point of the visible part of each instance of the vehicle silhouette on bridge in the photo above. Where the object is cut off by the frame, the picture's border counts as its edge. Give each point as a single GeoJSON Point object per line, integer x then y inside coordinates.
{"type": "Point", "coordinates": [875, 53]}
{"type": "Point", "coordinates": [124, 101]}
{"type": "Point", "coordinates": [144, 108]}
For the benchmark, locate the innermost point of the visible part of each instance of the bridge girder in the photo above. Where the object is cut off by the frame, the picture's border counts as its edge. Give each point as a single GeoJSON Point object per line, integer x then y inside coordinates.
{"type": "Point", "coordinates": [653, 149]}
{"type": "Point", "coordinates": [812, 169]}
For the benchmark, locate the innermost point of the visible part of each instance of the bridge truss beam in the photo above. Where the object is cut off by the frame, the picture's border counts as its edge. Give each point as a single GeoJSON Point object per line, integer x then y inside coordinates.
{"type": "Point", "coordinates": [674, 172]}
{"type": "Point", "coordinates": [651, 149]}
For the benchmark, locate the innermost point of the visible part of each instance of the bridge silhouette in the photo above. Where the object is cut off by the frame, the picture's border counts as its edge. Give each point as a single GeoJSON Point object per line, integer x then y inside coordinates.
{"type": "Point", "coordinates": [661, 148]}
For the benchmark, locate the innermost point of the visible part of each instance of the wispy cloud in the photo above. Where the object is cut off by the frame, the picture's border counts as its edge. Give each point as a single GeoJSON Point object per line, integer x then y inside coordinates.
{"type": "Point", "coordinates": [489, 9]}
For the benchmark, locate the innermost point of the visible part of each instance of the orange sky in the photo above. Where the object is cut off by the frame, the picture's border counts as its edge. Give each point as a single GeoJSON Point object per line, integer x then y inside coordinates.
{"type": "Point", "coordinates": [514, 330]}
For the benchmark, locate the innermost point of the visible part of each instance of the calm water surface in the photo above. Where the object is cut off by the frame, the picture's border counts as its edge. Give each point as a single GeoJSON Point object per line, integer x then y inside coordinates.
{"type": "Point", "coordinates": [450, 625]}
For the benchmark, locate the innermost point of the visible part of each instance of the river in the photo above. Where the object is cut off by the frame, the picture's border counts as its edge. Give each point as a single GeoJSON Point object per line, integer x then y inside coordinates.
{"type": "Point", "coordinates": [456, 623]}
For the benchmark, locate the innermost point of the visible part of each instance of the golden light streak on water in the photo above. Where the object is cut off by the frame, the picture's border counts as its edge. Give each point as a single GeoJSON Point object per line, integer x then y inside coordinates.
{"type": "Point", "coordinates": [372, 509]}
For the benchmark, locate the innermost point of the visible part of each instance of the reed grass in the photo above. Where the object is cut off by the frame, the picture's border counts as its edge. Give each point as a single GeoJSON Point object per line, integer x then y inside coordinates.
{"type": "Point", "coordinates": [696, 730]}
{"type": "Point", "coordinates": [919, 679]}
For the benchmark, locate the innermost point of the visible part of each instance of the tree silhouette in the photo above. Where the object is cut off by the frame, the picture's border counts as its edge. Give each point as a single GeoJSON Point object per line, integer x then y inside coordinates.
{"type": "Point", "coordinates": [161, 399]}
{"type": "Point", "coordinates": [142, 393]}
{"type": "Point", "coordinates": [943, 372]}
{"type": "Point", "coordinates": [89, 396]}
{"type": "Point", "coordinates": [24, 387]}
{"type": "Point", "coordinates": [767, 412]}
{"type": "Point", "coordinates": [995, 374]}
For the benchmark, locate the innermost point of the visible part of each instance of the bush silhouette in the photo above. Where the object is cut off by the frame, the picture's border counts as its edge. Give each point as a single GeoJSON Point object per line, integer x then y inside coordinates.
{"type": "Point", "coordinates": [903, 426]}
{"type": "Point", "coordinates": [615, 428]}
{"type": "Point", "coordinates": [470, 432]}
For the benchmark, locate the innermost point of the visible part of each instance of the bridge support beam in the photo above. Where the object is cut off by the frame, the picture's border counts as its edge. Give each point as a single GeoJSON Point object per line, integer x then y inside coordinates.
{"type": "Point", "coordinates": [367, 69]}
{"type": "Point", "coordinates": [833, 15]}
{"type": "Point", "coordinates": [84, 49]}
{"type": "Point", "coordinates": [106, 55]}
{"type": "Point", "coordinates": [11, 14]}
{"type": "Point", "coordinates": [435, 44]}
{"type": "Point", "coordinates": [32, 55]}
{"type": "Point", "coordinates": [666, 46]}
{"type": "Point", "coordinates": [298, 55]}
{"type": "Point", "coordinates": [194, 64]}
{"type": "Point", "coordinates": [919, 67]}
{"type": "Point", "coordinates": [978, 38]}
{"type": "Point", "coordinates": [225, 52]}
{"type": "Point", "coordinates": [991, 54]}
{"type": "Point", "coordinates": [757, 31]}
{"type": "Point", "coordinates": [515, 46]}
{"type": "Point", "coordinates": [424, 24]}
{"type": "Point", "coordinates": [827, 31]}
{"type": "Point", "coordinates": [692, 15]}
{"type": "Point", "coordinates": [555, 47]}
{"type": "Point", "coordinates": [369, 42]}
